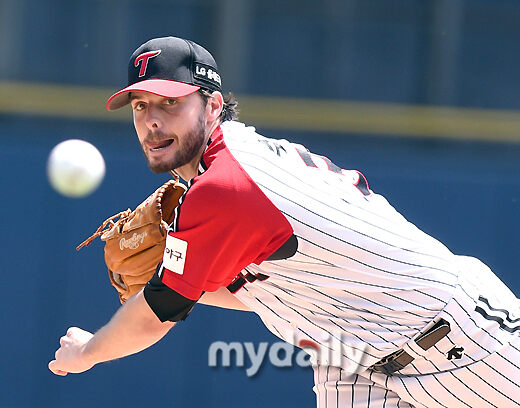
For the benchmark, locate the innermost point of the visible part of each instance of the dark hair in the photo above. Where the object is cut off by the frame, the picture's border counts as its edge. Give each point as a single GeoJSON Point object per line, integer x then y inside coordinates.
{"type": "Point", "coordinates": [230, 108]}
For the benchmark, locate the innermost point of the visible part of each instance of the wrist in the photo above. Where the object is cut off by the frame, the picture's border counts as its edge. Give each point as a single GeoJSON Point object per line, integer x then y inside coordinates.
{"type": "Point", "coordinates": [88, 353]}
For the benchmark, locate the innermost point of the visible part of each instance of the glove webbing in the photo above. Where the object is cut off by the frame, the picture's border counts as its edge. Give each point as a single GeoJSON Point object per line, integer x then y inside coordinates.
{"type": "Point", "coordinates": [103, 227]}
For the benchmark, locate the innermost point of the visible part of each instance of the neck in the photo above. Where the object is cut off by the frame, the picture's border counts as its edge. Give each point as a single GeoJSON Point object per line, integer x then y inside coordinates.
{"type": "Point", "coordinates": [191, 169]}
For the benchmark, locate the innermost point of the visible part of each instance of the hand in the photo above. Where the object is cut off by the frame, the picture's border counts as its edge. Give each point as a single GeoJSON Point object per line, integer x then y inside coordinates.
{"type": "Point", "coordinates": [71, 356]}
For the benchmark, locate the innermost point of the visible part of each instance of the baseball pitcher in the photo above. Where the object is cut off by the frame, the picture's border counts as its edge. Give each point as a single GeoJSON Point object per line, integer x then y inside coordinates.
{"type": "Point", "coordinates": [389, 316]}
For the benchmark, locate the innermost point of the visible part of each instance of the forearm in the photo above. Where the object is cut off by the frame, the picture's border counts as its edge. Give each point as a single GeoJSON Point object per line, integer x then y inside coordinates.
{"type": "Point", "coordinates": [132, 329]}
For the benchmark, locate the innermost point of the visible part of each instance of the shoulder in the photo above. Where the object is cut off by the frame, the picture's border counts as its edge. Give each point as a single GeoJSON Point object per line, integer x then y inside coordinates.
{"type": "Point", "coordinates": [222, 170]}
{"type": "Point", "coordinates": [223, 189]}
{"type": "Point", "coordinates": [239, 138]}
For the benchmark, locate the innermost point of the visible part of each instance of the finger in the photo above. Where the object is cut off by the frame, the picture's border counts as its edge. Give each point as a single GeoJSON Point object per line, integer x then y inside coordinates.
{"type": "Point", "coordinates": [71, 331]}
{"type": "Point", "coordinates": [63, 340]}
{"type": "Point", "coordinates": [55, 370]}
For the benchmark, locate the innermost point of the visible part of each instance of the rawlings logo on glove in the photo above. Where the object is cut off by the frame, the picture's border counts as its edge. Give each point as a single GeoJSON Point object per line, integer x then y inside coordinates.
{"type": "Point", "coordinates": [134, 244]}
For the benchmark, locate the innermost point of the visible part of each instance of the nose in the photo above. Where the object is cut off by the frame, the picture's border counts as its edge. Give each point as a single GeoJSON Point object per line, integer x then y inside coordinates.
{"type": "Point", "coordinates": [152, 118]}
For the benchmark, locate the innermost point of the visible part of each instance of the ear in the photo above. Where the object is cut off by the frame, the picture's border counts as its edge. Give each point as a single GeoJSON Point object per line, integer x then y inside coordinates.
{"type": "Point", "coordinates": [214, 107]}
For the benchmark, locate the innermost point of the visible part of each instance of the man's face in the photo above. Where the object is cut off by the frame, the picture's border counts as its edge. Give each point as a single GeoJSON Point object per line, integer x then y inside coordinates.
{"type": "Point", "coordinates": [171, 130]}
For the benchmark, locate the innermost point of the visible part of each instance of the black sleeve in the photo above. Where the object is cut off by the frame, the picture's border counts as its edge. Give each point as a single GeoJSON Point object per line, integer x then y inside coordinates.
{"type": "Point", "coordinates": [165, 302]}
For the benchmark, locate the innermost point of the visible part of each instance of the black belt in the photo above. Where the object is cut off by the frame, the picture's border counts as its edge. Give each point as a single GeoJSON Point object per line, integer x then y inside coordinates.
{"type": "Point", "coordinates": [400, 358]}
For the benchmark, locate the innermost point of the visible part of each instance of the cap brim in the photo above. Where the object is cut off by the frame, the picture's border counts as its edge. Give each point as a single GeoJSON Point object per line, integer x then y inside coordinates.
{"type": "Point", "coordinates": [161, 87]}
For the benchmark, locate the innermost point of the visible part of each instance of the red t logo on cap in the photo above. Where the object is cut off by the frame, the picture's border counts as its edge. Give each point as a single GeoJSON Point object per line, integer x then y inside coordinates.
{"type": "Point", "coordinates": [144, 58]}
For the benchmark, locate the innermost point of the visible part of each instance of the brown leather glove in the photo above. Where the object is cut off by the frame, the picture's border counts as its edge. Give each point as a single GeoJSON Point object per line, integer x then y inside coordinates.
{"type": "Point", "coordinates": [134, 244]}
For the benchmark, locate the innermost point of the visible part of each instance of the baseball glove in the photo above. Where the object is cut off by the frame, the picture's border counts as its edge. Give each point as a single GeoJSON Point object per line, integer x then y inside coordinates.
{"type": "Point", "coordinates": [134, 244]}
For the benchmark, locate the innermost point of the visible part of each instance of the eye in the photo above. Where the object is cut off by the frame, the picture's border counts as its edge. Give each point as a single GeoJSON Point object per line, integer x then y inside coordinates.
{"type": "Point", "coordinates": [138, 106]}
{"type": "Point", "coordinates": [170, 101]}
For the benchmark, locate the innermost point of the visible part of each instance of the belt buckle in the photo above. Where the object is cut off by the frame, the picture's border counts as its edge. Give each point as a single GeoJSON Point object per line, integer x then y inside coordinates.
{"type": "Point", "coordinates": [433, 335]}
{"type": "Point", "coordinates": [392, 362]}
{"type": "Point", "coordinates": [399, 359]}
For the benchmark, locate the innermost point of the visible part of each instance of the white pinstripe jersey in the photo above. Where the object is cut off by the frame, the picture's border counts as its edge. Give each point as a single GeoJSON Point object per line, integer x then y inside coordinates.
{"type": "Point", "coordinates": [363, 281]}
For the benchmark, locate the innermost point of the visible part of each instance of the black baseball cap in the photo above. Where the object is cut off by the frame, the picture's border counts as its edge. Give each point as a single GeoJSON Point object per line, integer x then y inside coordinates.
{"type": "Point", "coordinates": [170, 67]}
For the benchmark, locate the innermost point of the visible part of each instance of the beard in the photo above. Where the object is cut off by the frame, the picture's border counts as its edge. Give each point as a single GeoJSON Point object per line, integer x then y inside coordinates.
{"type": "Point", "coordinates": [191, 146]}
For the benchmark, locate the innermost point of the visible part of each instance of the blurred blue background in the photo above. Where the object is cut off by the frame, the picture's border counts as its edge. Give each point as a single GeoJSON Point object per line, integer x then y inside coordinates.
{"type": "Point", "coordinates": [450, 67]}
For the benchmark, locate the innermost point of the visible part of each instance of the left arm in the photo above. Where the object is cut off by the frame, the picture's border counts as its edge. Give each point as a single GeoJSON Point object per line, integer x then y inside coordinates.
{"type": "Point", "coordinates": [133, 328]}
{"type": "Point", "coordinates": [224, 299]}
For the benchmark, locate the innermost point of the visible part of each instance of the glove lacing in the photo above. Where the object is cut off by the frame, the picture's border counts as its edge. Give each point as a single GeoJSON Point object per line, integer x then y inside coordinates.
{"type": "Point", "coordinates": [107, 224]}
{"type": "Point", "coordinates": [124, 218]}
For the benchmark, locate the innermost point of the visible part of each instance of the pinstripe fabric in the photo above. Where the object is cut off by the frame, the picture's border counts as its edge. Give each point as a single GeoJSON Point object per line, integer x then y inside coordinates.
{"type": "Point", "coordinates": [488, 374]}
{"type": "Point", "coordinates": [335, 388]}
{"type": "Point", "coordinates": [364, 282]}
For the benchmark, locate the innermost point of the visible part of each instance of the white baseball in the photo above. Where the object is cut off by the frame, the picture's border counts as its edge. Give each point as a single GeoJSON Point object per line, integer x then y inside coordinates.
{"type": "Point", "coordinates": [75, 168]}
